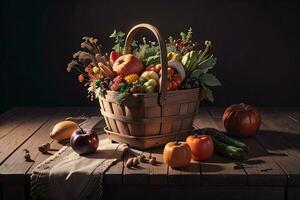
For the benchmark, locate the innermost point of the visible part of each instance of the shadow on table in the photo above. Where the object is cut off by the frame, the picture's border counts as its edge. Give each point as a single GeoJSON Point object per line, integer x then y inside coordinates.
{"type": "Point", "coordinates": [277, 142]}
{"type": "Point", "coordinates": [264, 143]}
{"type": "Point", "coordinates": [105, 154]}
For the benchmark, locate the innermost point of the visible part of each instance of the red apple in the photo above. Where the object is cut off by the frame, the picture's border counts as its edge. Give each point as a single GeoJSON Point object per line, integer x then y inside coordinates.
{"type": "Point", "coordinates": [113, 57]}
{"type": "Point", "coordinates": [155, 68]}
{"type": "Point", "coordinates": [128, 64]}
{"type": "Point", "coordinates": [84, 141]}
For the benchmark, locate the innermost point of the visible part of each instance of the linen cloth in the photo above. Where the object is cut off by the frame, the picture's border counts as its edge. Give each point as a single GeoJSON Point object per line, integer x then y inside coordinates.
{"type": "Point", "coordinates": [67, 175]}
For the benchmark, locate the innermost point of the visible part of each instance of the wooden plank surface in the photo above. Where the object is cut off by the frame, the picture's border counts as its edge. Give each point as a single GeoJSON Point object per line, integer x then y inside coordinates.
{"type": "Point", "coordinates": [189, 175]}
{"type": "Point", "coordinates": [34, 119]}
{"type": "Point", "coordinates": [158, 174]}
{"type": "Point", "coordinates": [261, 169]}
{"type": "Point", "coordinates": [281, 140]}
{"type": "Point", "coordinates": [16, 164]}
{"type": "Point", "coordinates": [274, 155]}
{"type": "Point", "coordinates": [136, 175]}
{"type": "Point", "coordinates": [218, 170]}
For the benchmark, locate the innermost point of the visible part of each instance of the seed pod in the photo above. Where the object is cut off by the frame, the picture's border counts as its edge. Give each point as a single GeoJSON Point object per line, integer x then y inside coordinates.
{"type": "Point", "coordinates": [152, 161]}
{"type": "Point", "coordinates": [27, 156]}
{"type": "Point", "coordinates": [129, 163]}
{"type": "Point", "coordinates": [44, 148]}
{"type": "Point", "coordinates": [143, 158]}
{"type": "Point", "coordinates": [135, 161]}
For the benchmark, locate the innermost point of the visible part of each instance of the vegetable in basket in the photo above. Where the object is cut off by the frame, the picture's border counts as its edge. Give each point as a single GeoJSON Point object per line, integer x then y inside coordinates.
{"type": "Point", "coordinates": [188, 66]}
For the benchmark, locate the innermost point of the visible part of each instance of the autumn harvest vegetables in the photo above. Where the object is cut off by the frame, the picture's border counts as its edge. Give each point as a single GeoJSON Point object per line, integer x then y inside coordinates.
{"type": "Point", "coordinates": [202, 146]}
{"type": "Point", "coordinates": [177, 154]}
{"type": "Point", "coordinates": [225, 144]}
{"type": "Point", "coordinates": [241, 120]}
{"type": "Point", "coordinates": [128, 74]}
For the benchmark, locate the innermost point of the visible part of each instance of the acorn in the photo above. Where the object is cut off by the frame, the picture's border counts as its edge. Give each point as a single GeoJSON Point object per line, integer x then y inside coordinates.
{"type": "Point", "coordinates": [44, 148]}
{"type": "Point", "coordinates": [143, 158]}
{"type": "Point", "coordinates": [152, 161]}
{"type": "Point", "coordinates": [26, 155]}
{"type": "Point", "coordinates": [129, 163]}
{"type": "Point", "coordinates": [135, 161]}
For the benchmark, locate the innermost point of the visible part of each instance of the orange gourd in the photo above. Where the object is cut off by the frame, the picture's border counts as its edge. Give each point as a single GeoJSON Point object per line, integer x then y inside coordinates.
{"type": "Point", "coordinates": [177, 154]}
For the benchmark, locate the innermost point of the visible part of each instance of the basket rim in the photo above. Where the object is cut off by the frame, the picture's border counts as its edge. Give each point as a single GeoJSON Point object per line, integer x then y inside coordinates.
{"type": "Point", "coordinates": [155, 94]}
{"type": "Point", "coordinates": [186, 132]}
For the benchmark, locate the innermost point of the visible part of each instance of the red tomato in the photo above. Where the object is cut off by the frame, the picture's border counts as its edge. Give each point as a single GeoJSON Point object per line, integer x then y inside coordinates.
{"type": "Point", "coordinates": [150, 68]}
{"type": "Point", "coordinates": [202, 146]}
{"type": "Point", "coordinates": [158, 68]}
{"type": "Point", "coordinates": [174, 79]}
{"type": "Point", "coordinates": [171, 71]}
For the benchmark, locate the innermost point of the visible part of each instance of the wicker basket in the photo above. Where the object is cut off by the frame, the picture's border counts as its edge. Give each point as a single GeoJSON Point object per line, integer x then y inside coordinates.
{"type": "Point", "coordinates": [150, 120]}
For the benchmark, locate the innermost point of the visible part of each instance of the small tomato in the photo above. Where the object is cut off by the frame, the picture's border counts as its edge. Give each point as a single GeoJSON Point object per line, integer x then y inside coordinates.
{"type": "Point", "coordinates": [202, 146]}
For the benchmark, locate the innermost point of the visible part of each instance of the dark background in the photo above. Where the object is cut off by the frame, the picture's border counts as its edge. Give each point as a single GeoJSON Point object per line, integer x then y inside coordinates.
{"type": "Point", "coordinates": [256, 42]}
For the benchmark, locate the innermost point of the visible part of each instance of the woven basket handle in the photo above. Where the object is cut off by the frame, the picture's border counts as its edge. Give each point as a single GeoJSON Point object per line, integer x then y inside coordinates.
{"type": "Point", "coordinates": [163, 56]}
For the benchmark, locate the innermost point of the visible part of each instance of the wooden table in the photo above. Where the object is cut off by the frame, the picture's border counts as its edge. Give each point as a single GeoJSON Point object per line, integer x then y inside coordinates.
{"type": "Point", "coordinates": [272, 171]}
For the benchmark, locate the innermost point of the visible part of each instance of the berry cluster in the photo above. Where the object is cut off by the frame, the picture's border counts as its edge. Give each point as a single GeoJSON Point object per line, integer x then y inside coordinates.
{"type": "Point", "coordinates": [137, 87]}
{"type": "Point", "coordinates": [190, 83]}
{"type": "Point", "coordinates": [184, 46]}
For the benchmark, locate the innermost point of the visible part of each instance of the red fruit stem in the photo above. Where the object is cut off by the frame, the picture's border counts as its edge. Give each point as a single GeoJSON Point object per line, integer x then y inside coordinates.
{"type": "Point", "coordinates": [177, 142]}
{"type": "Point", "coordinates": [81, 129]}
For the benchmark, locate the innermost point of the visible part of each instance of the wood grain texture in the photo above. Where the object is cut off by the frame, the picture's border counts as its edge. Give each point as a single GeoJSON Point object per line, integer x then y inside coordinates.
{"type": "Point", "coordinates": [278, 136]}
{"type": "Point", "coordinates": [16, 163]}
{"type": "Point", "coordinates": [283, 153]}
{"type": "Point", "coordinates": [136, 175]}
{"type": "Point", "coordinates": [218, 170]}
{"type": "Point", "coordinates": [189, 175]}
{"type": "Point", "coordinates": [261, 168]}
{"type": "Point", "coordinates": [273, 161]}
{"type": "Point", "coordinates": [158, 174]}
{"type": "Point", "coordinates": [34, 119]}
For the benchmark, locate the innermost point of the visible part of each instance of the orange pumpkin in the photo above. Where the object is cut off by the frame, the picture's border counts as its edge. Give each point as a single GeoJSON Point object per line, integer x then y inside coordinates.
{"type": "Point", "coordinates": [177, 154]}
{"type": "Point", "coordinates": [202, 146]}
{"type": "Point", "coordinates": [128, 64]}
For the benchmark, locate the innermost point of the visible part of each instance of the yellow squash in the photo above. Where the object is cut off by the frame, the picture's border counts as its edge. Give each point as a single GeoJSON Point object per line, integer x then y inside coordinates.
{"type": "Point", "coordinates": [63, 130]}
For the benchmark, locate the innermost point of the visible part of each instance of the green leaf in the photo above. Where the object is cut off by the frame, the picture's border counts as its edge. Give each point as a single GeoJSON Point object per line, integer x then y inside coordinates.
{"type": "Point", "coordinates": [183, 36]}
{"type": "Point", "coordinates": [209, 80]}
{"type": "Point", "coordinates": [124, 87]}
{"type": "Point", "coordinates": [207, 64]}
{"type": "Point", "coordinates": [114, 34]}
{"type": "Point", "coordinates": [134, 44]}
{"type": "Point", "coordinates": [189, 34]}
{"type": "Point", "coordinates": [121, 97]}
{"type": "Point", "coordinates": [196, 73]}
{"type": "Point", "coordinates": [120, 34]}
{"type": "Point", "coordinates": [172, 48]}
{"type": "Point", "coordinates": [145, 51]}
{"type": "Point", "coordinates": [208, 94]}
{"type": "Point", "coordinates": [153, 60]}
{"type": "Point", "coordinates": [117, 48]}
{"type": "Point", "coordinates": [170, 38]}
